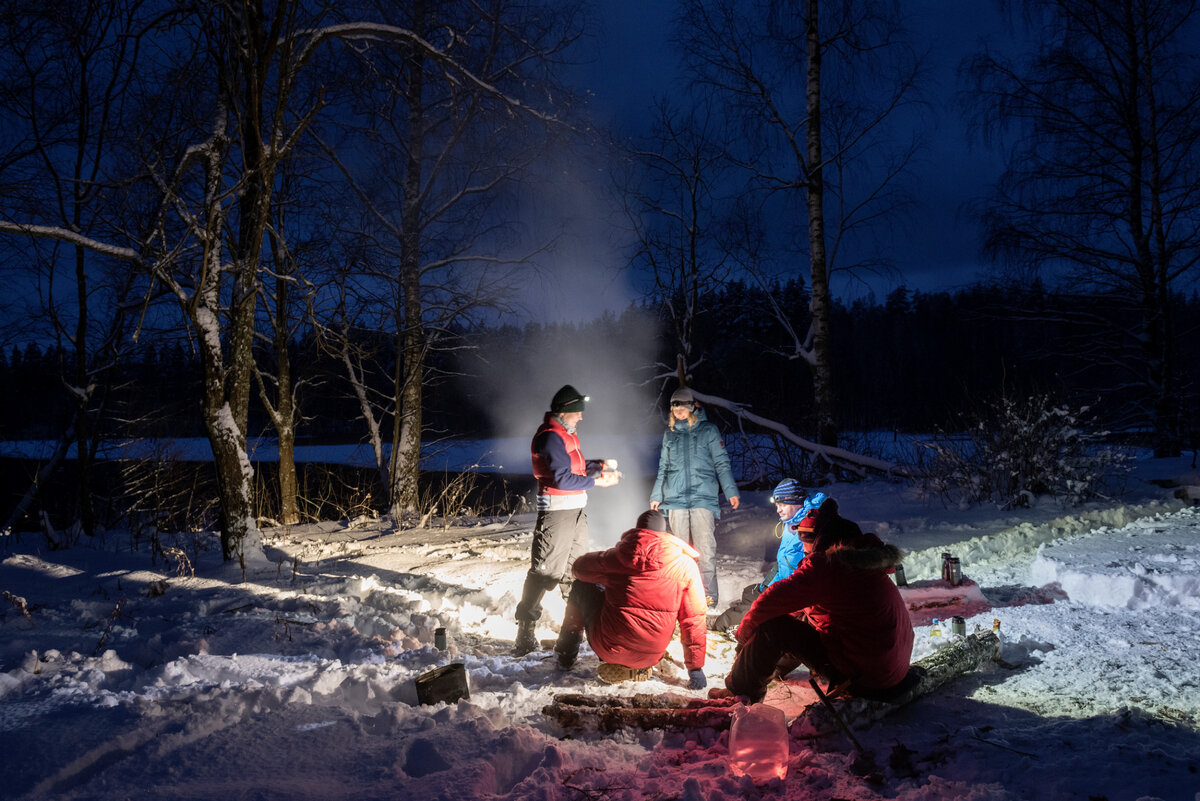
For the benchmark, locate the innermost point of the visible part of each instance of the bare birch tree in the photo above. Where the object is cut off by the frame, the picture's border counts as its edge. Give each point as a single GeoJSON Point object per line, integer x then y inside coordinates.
{"type": "Point", "coordinates": [1101, 193]}
{"type": "Point", "coordinates": [774, 64]}
{"type": "Point", "coordinates": [436, 166]}
{"type": "Point", "coordinates": [228, 108]}
{"type": "Point", "coordinates": [65, 74]}
{"type": "Point", "coordinates": [678, 212]}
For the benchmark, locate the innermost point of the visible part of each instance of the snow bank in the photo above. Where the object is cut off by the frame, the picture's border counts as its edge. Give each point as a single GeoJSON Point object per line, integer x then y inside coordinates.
{"type": "Point", "coordinates": [1143, 564]}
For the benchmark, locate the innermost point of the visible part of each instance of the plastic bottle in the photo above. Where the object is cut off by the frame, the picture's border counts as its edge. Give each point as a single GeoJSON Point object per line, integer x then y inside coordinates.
{"type": "Point", "coordinates": [758, 742]}
{"type": "Point", "coordinates": [935, 633]}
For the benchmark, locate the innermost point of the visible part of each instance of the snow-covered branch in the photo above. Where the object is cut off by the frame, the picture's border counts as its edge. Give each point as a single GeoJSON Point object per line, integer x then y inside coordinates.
{"type": "Point", "coordinates": [374, 31]}
{"type": "Point", "coordinates": [837, 456]}
{"type": "Point", "coordinates": [71, 237]}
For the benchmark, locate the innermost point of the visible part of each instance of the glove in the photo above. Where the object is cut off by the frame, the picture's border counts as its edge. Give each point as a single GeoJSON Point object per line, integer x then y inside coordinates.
{"type": "Point", "coordinates": [696, 679]}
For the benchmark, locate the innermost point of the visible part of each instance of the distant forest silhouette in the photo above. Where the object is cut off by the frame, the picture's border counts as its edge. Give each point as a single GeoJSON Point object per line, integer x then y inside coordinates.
{"type": "Point", "coordinates": [916, 362]}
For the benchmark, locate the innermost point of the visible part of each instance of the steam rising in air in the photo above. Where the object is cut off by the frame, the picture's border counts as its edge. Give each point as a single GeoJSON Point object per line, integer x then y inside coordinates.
{"type": "Point", "coordinates": [619, 422]}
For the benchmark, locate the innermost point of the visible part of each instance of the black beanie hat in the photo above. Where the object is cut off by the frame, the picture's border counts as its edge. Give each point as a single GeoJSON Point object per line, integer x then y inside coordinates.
{"type": "Point", "coordinates": [567, 399]}
{"type": "Point", "coordinates": [653, 520]}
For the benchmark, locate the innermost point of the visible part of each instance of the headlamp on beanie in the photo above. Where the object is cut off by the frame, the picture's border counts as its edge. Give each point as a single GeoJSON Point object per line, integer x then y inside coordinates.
{"type": "Point", "coordinates": [683, 397]}
{"type": "Point", "coordinates": [789, 491]}
{"type": "Point", "coordinates": [568, 399]}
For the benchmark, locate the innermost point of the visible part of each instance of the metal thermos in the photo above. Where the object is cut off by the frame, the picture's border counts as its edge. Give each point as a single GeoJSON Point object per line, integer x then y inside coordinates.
{"type": "Point", "coordinates": [901, 580]}
{"type": "Point", "coordinates": [945, 567]}
{"type": "Point", "coordinates": [439, 638]}
{"type": "Point", "coordinates": [955, 571]}
{"type": "Point", "coordinates": [958, 626]}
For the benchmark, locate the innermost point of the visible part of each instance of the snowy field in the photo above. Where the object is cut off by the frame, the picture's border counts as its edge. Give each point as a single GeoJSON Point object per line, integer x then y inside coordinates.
{"type": "Point", "coordinates": [122, 677]}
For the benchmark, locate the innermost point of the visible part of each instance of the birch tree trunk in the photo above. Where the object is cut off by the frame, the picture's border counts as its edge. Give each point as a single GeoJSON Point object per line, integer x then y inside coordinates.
{"type": "Point", "coordinates": [826, 422]}
{"type": "Point", "coordinates": [410, 350]}
{"type": "Point", "coordinates": [239, 531]}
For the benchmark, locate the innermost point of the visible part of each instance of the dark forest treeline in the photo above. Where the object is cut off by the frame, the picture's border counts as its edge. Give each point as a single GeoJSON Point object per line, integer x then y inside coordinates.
{"type": "Point", "coordinates": [915, 362]}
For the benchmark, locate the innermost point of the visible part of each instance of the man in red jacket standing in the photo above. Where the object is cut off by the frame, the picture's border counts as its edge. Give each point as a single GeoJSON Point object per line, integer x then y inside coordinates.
{"type": "Point", "coordinates": [629, 598]}
{"type": "Point", "coordinates": [839, 614]}
{"type": "Point", "coordinates": [560, 533]}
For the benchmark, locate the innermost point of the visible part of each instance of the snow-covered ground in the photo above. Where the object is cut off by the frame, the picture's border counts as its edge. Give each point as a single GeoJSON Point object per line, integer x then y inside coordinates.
{"type": "Point", "coordinates": [124, 677]}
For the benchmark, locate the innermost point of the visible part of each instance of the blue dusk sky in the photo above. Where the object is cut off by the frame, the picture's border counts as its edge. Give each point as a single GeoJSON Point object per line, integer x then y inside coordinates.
{"type": "Point", "coordinates": [938, 249]}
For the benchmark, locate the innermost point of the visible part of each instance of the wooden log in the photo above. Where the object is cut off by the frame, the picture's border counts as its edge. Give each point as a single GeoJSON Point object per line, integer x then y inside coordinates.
{"type": "Point", "coordinates": [641, 701]}
{"type": "Point", "coordinates": [617, 718]}
{"type": "Point", "coordinates": [950, 662]}
{"type": "Point", "coordinates": [590, 712]}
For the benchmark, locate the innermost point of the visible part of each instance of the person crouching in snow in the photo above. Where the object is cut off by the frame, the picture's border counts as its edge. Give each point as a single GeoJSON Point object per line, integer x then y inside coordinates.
{"type": "Point", "coordinates": [628, 600]}
{"type": "Point", "coordinates": [839, 614]}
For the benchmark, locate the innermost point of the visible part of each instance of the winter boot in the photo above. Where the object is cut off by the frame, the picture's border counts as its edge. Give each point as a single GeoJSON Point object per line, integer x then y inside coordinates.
{"type": "Point", "coordinates": [567, 648]}
{"type": "Point", "coordinates": [526, 641]}
{"type": "Point", "coordinates": [614, 674]}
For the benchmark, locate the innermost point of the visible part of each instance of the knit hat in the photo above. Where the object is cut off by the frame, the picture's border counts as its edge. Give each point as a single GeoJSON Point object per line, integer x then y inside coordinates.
{"type": "Point", "coordinates": [568, 399]}
{"type": "Point", "coordinates": [653, 520]}
{"type": "Point", "coordinates": [789, 491]}
{"type": "Point", "coordinates": [683, 395]}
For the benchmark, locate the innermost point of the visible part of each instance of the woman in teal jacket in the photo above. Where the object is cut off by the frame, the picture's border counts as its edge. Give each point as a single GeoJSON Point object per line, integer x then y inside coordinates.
{"type": "Point", "coordinates": [693, 469]}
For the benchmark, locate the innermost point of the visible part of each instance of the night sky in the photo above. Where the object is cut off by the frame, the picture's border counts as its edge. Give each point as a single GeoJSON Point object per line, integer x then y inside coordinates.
{"type": "Point", "coordinates": [939, 249]}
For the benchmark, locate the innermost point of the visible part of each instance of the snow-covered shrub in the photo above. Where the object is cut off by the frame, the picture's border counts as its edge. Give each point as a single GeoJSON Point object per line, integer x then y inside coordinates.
{"type": "Point", "coordinates": [1013, 451]}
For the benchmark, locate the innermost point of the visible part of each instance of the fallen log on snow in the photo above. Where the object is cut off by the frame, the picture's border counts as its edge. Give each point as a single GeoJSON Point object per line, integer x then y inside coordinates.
{"type": "Point", "coordinates": [954, 660]}
{"type": "Point", "coordinates": [589, 712]}
{"type": "Point", "coordinates": [582, 712]}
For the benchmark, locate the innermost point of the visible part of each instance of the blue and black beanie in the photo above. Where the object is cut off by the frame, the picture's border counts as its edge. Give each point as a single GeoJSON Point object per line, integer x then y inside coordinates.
{"type": "Point", "coordinates": [789, 491]}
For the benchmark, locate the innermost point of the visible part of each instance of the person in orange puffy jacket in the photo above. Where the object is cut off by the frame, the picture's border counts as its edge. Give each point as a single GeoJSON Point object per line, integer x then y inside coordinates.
{"type": "Point", "coordinates": [629, 598]}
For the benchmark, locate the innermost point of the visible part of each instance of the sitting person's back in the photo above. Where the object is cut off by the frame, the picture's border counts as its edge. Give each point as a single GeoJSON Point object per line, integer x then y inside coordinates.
{"type": "Point", "coordinates": [629, 599]}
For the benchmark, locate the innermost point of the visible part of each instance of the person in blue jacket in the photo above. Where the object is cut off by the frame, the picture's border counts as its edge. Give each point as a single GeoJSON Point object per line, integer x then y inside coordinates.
{"type": "Point", "coordinates": [796, 509]}
{"type": "Point", "coordinates": [792, 504]}
{"type": "Point", "coordinates": [693, 469]}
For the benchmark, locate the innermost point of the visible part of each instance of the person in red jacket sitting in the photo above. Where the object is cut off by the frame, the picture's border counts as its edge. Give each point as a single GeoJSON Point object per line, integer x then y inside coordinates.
{"type": "Point", "coordinates": [839, 614]}
{"type": "Point", "coordinates": [628, 600]}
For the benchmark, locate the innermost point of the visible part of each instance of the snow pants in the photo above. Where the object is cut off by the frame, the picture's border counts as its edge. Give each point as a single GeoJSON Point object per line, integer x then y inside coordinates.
{"type": "Point", "coordinates": [559, 537]}
{"type": "Point", "coordinates": [731, 617]}
{"type": "Point", "coordinates": [697, 527]}
{"type": "Point", "coordinates": [583, 602]}
{"type": "Point", "coordinates": [778, 646]}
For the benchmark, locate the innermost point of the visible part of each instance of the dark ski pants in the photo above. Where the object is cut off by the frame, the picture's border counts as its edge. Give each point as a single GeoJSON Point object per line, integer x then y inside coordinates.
{"type": "Point", "coordinates": [778, 646]}
{"type": "Point", "coordinates": [559, 537]}
{"type": "Point", "coordinates": [583, 602]}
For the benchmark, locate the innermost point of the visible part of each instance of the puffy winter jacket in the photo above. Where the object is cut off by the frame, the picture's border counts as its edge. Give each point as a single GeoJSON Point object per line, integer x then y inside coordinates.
{"type": "Point", "coordinates": [562, 474]}
{"type": "Point", "coordinates": [791, 549]}
{"type": "Point", "coordinates": [651, 582]}
{"type": "Point", "coordinates": [846, 594]}
{"type": "Point", "coordinates": [693, 467]}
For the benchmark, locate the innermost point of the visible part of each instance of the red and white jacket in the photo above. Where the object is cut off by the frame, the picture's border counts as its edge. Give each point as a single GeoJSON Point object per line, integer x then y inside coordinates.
{"type": "Point", "coordinates": [558, 465]}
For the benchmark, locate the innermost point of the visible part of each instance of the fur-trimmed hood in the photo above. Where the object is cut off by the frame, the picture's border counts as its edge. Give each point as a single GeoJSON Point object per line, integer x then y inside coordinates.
{"type": "Point", "coordinates": [870, 553]}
